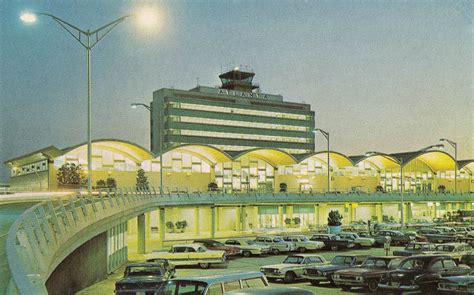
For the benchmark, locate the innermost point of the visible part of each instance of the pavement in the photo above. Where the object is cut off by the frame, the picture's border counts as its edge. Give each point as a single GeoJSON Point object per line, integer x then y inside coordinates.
{"type": "Point", "coordinates": [239, 264]}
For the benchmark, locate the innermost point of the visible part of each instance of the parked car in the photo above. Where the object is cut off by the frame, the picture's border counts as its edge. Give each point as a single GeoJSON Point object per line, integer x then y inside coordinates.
{"type": "Point", "coordinates": [468, 259]}
{"type": "Point", "coordinates": [292, 267]}
{"type": "Point", "coordinates": [333, 242]}
{"type": "Point", "coordinates": [214, 284]}
{"type": "Point", "coordinates": [436, 235]}
{"type": "Point", "coordinates": [359, 225]}
{"type": "Point", "coordinates": [270, 291]}
{"type": "Point", "coordinates": [421, 273]}
{"type": "Point", "coordinates": [396, 237]}
{"type": "Point", "coordinates": [367, 275]}
{"type": "Point", "coordinates": [303, 244]}
{"type": "Point", "coordinates": [276, 244]}
{"type": "Point", "coordinates": [190, 254]}
{"type": "Point", "coordinates": [143, 278]}
{"type": "Point", "coordinates": [358, 241]}
{"type": "Point", "coordinates": [323, 273]}
{"type": "Point", "coordinates": [455, 250]}
{"type": "Point", "coordinates": [248, 247]}
{"type": "Point", "coordinates": [415, 248]}
{"type": "Point", "coordinates": [215, 245]}
{"type": "Point", "coordinates": [417, 223]}
{"type": "Point", "coordinates": [416, 236]}
{"type": "Point", "coordinates": [457, 284]}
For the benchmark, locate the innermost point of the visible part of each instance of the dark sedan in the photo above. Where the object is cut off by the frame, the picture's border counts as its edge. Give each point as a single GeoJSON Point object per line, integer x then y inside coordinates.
{"type": "Point", "coordinates": [396, 237]}
{"type": "Point", "coordinates": [421, 273]}
{"type": "Point", "coordinates": [457, 285]}
{"type": "Point", "coordinates": [143, 278]}
{"type": "Point", "coordinates": [323, 273]}
{"type": "Point", "coordinates": [414, 248]}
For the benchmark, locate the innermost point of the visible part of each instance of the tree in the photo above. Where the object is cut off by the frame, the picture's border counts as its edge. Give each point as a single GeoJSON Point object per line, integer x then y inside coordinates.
{"type": "Point", "coordinates": [111, 183]}
{"type": "Point", "coordinates": [142, 180]}
{"type": "Point", "coordinates": [283, 187]}
{"type": "Point", "coordinates": [100, 184]}
{"type": "Point", "coordinates": [212, 186]}
{"type": "Point", "coordinates": [70, 174]}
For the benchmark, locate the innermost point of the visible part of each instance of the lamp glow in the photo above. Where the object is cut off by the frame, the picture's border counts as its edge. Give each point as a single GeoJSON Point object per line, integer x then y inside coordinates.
{"type": "Point", "coordinates": [28, 17]}
{"type": "Point", "coordinates": [147, 18]}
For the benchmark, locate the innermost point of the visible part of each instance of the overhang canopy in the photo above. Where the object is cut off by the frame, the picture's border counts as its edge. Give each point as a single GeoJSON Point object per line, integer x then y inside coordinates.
{"type": "Point", "coordinates": [378, 160]}
{"type": "Point", "coordinates": [436, 160]}
{"type": "Point", "coordinates": [46, 153]}
{"type": "Point", "coordinates": [126, 148]}
{"type": "Point", "coordinates": [336, 160]}
{"type": "Point", "coordinates": [467, 165]}
{"type": "Point", "coordinates": [207, 153]}
{"type": "Point", "coordinates": [274, 157]}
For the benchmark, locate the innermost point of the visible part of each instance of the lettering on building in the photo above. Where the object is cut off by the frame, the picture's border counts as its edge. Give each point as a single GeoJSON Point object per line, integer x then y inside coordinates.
{"type": "Point", "coordinates": [242, 94]}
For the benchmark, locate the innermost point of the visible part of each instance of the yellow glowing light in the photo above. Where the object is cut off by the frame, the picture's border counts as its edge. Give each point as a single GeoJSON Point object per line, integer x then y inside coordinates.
{"type": "Point", "coordinates": [28, 17]}
{"type": "Point", "coordinates": [148, 17]}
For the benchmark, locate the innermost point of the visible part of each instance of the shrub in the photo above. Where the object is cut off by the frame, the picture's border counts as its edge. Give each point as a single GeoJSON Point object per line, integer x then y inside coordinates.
{"type": "Point", "coordinates": [111, 183]}
{"type": "Point", "coordinates": [334, 218]}
{"type": "Point", "coordinates": [212, 186]}
{"type": "Point", "coordinates": [283, 187]}
{"type": "Point", "coordinates": [70, 173]}
{"type": "Point", "coordinates": [287, 221]}
{"type": "Point", "coordinates": [296, 220]}
{"type": "Point", "coordinates": [142, 180]}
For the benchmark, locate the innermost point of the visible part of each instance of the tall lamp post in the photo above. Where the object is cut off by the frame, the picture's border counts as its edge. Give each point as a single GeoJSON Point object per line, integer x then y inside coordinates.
{"type": "Point", "coordinates": [148, 108]}
{"type": "Point", "coordinates": [326, 135]}
{"type": "Point", "coordinates": [455, 146]}
{"type": "Point", "coordinates": [88, 43]}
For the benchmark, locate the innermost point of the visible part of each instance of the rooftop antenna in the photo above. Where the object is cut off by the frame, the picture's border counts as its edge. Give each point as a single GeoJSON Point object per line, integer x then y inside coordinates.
{"type": "Point", "coordinates": [197, 81]}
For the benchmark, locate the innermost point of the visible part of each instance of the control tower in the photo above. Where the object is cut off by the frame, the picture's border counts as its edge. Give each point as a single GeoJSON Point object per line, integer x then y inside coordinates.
{"type": "Point", "coordinates": [238, 80]}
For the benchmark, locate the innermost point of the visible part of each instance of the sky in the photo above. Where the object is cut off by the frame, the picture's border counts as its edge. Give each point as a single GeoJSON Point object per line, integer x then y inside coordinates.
{"type": "Point", "coordinates": [387, 76]}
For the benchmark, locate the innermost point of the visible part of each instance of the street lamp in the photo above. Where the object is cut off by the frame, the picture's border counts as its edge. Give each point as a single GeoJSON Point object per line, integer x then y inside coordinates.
{"type": "Point", "coordinates": [455, 146]}
{"type": "Point", "coordinates": [326, 135]}
{"type": "Point", "coordinates": [148, 108]}
{"type": "Point", "coordinates": [88, 44]}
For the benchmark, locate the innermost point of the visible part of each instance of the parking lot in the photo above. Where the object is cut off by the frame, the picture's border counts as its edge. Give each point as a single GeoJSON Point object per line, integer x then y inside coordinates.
{"type": "Point", "coordinates": [238, 263]}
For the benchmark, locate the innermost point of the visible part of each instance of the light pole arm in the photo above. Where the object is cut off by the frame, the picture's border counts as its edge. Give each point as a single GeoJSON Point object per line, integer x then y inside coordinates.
{"type": "Point", "coordinates": [136, 104]}
{"type": "Point", "coordinates": [77, 33]}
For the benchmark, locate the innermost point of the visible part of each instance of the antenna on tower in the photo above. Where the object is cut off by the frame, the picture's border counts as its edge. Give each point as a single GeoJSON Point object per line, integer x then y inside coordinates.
{"type": "Point", "coordinates": [197, 81]}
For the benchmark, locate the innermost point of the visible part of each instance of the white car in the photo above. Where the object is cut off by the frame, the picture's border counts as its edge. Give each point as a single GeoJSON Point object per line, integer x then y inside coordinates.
{"type": "Point", "coordinates": [277, 244]}
{"type": "Point", "coordinates": [292, 267]}
{"type": "Point", "coordinates": [190, 254]}
{"type": "Point", "coordinates": [303, 244]}
{"type": "Point", "coordinates": [358, 241]}
{"type": "Point", "coordinates": [249, 247]}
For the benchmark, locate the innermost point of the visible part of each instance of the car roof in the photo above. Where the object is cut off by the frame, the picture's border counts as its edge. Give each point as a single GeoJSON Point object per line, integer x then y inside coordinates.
{"type": "Point", "coordinates": [144, 264]}
{"type": "Point", "coordinates": [271, 290]}
{"type": "Point", "coordinates": [305, 255]}
{"type": "Point", "coordinates": [194, 245]}
{"type": "Point", "coordinates": [427, 257]}
{"type": "Point", "coordinates": [217, 278]}
{"type": "Point", "coordinates": [384, 257]}
{"type": "Point", "coordinates": [352, 255]}
{"type": "Point", "coordinates": [205, 241]}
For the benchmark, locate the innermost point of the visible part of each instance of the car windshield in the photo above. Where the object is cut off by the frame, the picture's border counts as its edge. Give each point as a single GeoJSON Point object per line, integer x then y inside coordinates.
{"type": "Point", "coordinates": [183, 287]}
{"type": "Point", "coordinates": [412, 264]}
{"type": "Point", "coordinates": [217, 244]}
{"type": "Point", "coordinates": [375, 263]}
{"type": "Point", "coordinates": [444, 248]}
{"type": "Point", "coordinates": [293, 260]}
{"type": "Point", "coordinates": [249, 242]}
{"type": "Point", "coordinates": [341, 260]}
{"type": "Point", "coordinates": [143, 271]}
{"type": "Point", "coordinates": [277, 240]}
{"type": "Point", "coordinates": [304, 239]}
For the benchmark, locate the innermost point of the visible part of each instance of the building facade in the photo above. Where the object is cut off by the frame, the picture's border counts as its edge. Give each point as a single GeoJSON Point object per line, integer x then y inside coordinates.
{"type": "Point", "coordinates": [233, 118]}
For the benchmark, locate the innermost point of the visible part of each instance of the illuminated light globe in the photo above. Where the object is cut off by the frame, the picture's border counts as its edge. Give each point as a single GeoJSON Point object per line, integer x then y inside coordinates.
{"type": "Point", "coordinates": [28, 17]}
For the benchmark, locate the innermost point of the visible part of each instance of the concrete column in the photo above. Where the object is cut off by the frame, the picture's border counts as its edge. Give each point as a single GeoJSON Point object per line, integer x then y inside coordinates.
{"type": "Point", "coordinates": [353, 211]}
{"type": "Point", "coordinates": [161, 227]}
{"type": "Point", "coordinates": [408, 212]}
{"type": "Point", "coordinates": [213, 222]}
{"type": "Point", "coordinates": [244, 217]}
{"type": "Point", "coordinates": [280, 216]}
{"type": "Point", "coordinates": [218, 216]}
{"type": "Point", "coordinates": [316, 215]}
{"type": "Point", "coordinates": [132, 226]}
{"type": "Point", "coordinates": [147, 225]}
{"type": "Point", "coordinates": [322, 214]}
{"type": "Point", "coordinates": [196, 221]}
{"type": "Point", "coordinates": [289, 211]}
{"type": "Point", "coordinates": [237, 218]}
{"type": "Point", "coordinates": [141, 234]}
{"type": "Point", "coordinates": [379, 212]}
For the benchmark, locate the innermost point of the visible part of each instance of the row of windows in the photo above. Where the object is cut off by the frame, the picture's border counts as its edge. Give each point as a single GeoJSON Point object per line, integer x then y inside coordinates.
{"type": "Point", "coordinates": [229, 110]}
{"type": "Point", "coordinates": [240, 136]}
{"type": "Point", "coordinates": [240, 148]}
{"type": "Point", "coordinates": [177, 162]}
{"type": "Point", "coordinates": [220, 122]}
{"type": "Point", "coordinates": [30, 168]}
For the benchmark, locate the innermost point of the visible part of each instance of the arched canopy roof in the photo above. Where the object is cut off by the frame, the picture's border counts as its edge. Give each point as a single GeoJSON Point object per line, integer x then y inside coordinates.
{"type": "Point", "coordinates": [336, 159]}
{"type": "Point", "coordinates": [436, 160]}
{"type": "Point", "coordinates": [378, 160]}
{"type": "Point", "coordinates": [129, 149]}
{"type": "Point", "coordinates": [467, 165]}
{"type": "Point", "coordinates": [274, 157]}
{"type": "Point", "coordinates": [207, 153]}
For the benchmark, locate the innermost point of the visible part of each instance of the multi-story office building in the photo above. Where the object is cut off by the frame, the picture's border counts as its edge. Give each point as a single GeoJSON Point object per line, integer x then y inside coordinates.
{"type": "Point", "coordinates": [234, 117]}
